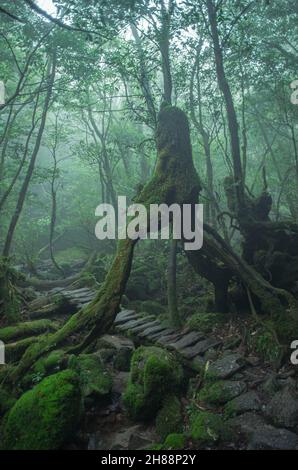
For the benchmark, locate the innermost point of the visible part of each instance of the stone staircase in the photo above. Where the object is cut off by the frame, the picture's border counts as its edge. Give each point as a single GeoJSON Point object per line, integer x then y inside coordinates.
{"type": "Point", "coordinates": [190, 345]}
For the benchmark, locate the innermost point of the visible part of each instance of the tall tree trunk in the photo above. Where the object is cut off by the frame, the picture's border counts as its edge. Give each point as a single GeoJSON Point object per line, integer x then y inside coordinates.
{"type": "Point", "coordinates": [172, 284]}
{"type": "Point", "coordinates": [26, 182]}
{"type": "Point", "coordinates": [174, 181]}
{"type": "Point", "coordinates": [230, 108]}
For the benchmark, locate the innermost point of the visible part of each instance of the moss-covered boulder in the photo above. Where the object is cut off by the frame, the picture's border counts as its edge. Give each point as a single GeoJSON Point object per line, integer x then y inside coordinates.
{"type": "Point", "coordinates": [220, 392]}
{"type": "Point", "coordinates": [95, 381]}
{"type": "Point", "coordinates": [117, 350]}
{"type": "Point", "coordinates": [169, 418]}
{"type": "Point", "coordinates": [154, 373]}
{"type": "Point", "coordinates": [46, 416]}
{"type": "Point", "coordinates": [207, 428]}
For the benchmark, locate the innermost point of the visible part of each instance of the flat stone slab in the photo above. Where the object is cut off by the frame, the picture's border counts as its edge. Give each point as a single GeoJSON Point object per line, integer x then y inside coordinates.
{"type": "Point", "coordinates": [169, 339]}
{"type": "Point", "coordinates": [248, 401]}
{"type": "Point", "coordinates": [199, 348]}
{"type": "Point", "coordinates": [138, 329]}
{"type": "Point", "coordinates": [161, 334]}
{"type": "Point", "coordinates": [227, 366]}
{"type": "Point", "coordinates": [187, 340]}
{"type": "Point", "coordinates": [153, 329]}
{"type": "Point", "coordinates": [132, 323]}
{"type": "Point", "coordinates": [124, 315]}
{"type": "Point", "coordinates": [115, 342]}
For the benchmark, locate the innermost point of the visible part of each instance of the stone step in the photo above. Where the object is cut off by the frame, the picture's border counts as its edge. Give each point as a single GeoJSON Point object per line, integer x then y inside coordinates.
{"type": "Point", "coordinates": [138, 329]}
{"type": "Point", "coordinates": [124, 315]}
{"type": "Point", "coordinates": [199, 348]}
{"type": "Point", "coordinates": [169, 339]}
{"type": "Point", "coordinates": [151, 330]}
{"type": "Point", "coordinates": [138, 321]}
{"type": "Point", "coordinates": [187, 340]}
{"type": "Point", "coordinates": [161, 334]}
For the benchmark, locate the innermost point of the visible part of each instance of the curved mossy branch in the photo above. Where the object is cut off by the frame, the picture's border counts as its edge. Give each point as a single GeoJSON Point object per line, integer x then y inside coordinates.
{"type": "Point", "coordinates": [175, 180]}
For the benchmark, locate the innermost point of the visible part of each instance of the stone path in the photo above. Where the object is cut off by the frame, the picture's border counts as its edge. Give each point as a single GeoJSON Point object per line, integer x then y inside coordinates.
{"type": "Point", "coordinates": [78, 298]}
{"type": "Point", "coordinates": [191, 345]}
{"type": "Point", "coordinates": [264, 403]}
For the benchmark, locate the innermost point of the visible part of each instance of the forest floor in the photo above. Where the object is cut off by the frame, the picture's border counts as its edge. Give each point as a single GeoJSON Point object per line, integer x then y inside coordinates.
{"type": "Point", "coordinates": [257, 401]}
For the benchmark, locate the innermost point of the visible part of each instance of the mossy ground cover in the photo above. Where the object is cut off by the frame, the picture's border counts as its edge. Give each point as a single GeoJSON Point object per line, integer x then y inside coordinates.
{"type": "Point", "coordinates": [46, 416]}
{"type": "Point", "coordinates": [154, 373]}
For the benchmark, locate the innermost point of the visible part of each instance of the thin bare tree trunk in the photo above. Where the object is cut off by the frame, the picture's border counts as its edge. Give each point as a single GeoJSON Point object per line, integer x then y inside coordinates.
{"type": "Point", "coordinates": [26, 182]}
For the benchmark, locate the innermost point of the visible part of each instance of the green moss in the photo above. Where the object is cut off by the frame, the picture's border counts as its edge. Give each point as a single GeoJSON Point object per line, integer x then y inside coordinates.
{"type": "Point", "coordinates": [216, 393]}
{"type": "Point", "coordinates": [169, 418]}
{"type": "Point", "coordinates": [53, 362]}
{"type": "Point", "coordinates": [156, 446]}
{"type": "Point", "coordinates": [30, 328]}
{"type": "Point", "coordinates": [205, 322]}
{"type": "Point", "coordinates": [14, 351]}
{"type": "Point", "coordinates": [154, 373]}
{"type": "Point", "coordinates": [46, 416]}
{"type": "Point", "coordinates": [207, 428]}
{"type": "Point", "coordinates": [230, 410]}
{"type": "Point", "coordinates": [135, 401]}
{"type": "Point", "coordinates": [6, 401]}
{"type": "Point", "coordinates": [265, 342]}
{"type": "Point", "coordinates": [94, 380]}
{"type": "Point", "coordinates": [175, 441]}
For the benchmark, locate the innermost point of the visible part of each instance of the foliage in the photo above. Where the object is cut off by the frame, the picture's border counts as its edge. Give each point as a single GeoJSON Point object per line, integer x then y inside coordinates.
{"type": "Point", "coordinates": [205, 322]}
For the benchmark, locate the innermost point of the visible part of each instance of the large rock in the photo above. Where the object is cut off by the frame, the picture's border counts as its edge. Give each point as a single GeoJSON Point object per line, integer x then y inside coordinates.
{"type": "Point", "coordinates": [122, 350]}
{"type": "Point", "coordinates": [220, 392]}
{"type": "Point", "coordinates": [46, 416]}
{"type": "Point", "coordinates": [283, 408]}
{"type": "Point", "coordinates": [95, 381]}
{"type": "Point", "coordinates": [260, 435]}
{"type": "Point", "coordinates": [270, 438]}
{"type": "Point", "coordinates": [246, 402]}
{"type": "Point", "coordinates": [169, 419]}
{"type": "Point", "coordinates": [226, 366]}
{"type": "Point", "coordinates": [154, 373]}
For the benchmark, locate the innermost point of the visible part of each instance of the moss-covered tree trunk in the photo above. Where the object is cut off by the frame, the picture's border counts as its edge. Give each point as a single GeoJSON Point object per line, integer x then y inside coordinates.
{"type": "Point", "coordinates": [175, 180]}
